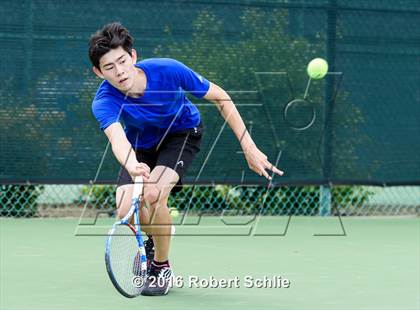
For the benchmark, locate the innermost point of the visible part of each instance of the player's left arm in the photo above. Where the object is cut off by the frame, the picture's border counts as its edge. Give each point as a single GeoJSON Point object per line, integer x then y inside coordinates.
{"type": "Point", "coordinates": [257, 160]}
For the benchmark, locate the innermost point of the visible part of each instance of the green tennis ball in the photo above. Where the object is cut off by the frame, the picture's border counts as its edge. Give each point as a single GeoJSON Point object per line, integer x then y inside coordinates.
{"type": "Point", "coordinates": [174, 212]}
{"type": "Point", "coordinates": [317, 68]}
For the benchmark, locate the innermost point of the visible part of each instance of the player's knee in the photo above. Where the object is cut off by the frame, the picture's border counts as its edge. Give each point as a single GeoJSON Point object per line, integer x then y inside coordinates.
{"type": "Point", "coordinates": [120, 214]}
{"type": "Point", "coordinates": [151, 195]}
{"type": "Point", "coordinates": [122, 208]}
{"type": "Point", "coordinates": [123, 201]}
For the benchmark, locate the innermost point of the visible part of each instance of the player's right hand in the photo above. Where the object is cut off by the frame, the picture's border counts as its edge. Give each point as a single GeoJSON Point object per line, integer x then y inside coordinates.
{"type": "Point", "coordinates": [138, 169]}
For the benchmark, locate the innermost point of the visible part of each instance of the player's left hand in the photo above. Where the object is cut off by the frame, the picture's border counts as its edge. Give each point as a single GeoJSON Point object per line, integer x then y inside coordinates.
{"type": "Point", "coordinates": [258, 162]}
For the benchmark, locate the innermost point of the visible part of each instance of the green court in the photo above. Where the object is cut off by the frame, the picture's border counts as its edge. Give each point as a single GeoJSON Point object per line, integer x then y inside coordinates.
{"type": "Point", "coordinates": [44, 265]}
{"type": "Point", "coordinates": [347, 140]}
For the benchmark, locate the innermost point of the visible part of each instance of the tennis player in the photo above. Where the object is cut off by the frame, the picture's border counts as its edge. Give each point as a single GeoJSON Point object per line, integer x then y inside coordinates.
{"type": "Point", "coordinates": [155, 131]}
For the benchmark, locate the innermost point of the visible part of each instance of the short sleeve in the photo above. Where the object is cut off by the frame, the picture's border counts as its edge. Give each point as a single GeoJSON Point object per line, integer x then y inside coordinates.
{"type": "Point", "coordinates": [106, 112]}
{"type": "Point", "coordinates": [190, 80]}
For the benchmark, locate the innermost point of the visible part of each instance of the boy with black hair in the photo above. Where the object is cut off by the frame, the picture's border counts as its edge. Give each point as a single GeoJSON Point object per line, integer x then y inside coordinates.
{"type": "Point", "coordinates": [161, 135]}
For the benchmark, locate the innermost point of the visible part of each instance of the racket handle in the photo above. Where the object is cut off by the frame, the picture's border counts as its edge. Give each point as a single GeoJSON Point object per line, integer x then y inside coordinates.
{"type": "Point", "coordinates": [138, 187]}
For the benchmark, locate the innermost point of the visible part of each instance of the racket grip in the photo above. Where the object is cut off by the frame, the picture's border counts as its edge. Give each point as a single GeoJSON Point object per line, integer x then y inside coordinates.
{"type": "Point", "coordinates": [138, 187]}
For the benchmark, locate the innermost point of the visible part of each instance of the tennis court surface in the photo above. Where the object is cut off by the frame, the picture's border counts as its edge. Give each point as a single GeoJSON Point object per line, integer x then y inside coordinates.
{"type": "Point", "coordinates": [345, 133]}
{"type": "Point", "coordinates": [44, 265]}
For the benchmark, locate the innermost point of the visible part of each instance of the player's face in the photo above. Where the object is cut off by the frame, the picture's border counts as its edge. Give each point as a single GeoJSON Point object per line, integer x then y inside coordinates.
{"type": "Point", "coordinates": [117, 67]}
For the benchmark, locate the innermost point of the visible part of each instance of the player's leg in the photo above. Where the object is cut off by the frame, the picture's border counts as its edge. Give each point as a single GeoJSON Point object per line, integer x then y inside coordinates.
{"type": "Point", "coordinates": [156, 193]}
{"type": "Point", "coordinates": [123, 200]}
{"type": "Point", "coordinates": [176, 153]}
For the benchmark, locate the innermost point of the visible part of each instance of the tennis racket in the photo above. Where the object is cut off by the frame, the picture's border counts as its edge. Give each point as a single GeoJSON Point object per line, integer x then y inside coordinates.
{"type": "Point", "coordinates": [125, 256]}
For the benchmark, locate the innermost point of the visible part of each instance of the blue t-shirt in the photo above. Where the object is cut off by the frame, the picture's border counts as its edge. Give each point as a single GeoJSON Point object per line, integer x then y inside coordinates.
{"type": "Point", "coordinates": [164, 104]}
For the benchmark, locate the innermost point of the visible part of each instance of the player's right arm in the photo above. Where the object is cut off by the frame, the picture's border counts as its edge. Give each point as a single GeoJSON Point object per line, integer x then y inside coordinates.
{"type": "Point", "coordinates": [124, 152]}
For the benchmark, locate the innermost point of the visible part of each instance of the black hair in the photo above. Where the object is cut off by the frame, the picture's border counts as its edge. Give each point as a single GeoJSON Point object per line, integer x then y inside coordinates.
{"type": "Point", "coordinates": [111, 36]}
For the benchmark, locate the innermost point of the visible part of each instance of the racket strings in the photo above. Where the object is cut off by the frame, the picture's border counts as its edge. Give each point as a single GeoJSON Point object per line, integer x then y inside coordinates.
{"type": "Point", "coordinates": [125, 259]}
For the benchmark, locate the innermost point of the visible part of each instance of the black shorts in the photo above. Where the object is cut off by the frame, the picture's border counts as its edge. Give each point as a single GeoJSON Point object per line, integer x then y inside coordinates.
{"type": "Point", "coordinates": [176, 151]}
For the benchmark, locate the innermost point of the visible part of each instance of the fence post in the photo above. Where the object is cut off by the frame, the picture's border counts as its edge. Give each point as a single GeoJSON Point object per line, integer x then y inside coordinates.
{"type": "Point", "coordinates": [325, 190]}
{"type": "Point", "coordinates": [325, 200]}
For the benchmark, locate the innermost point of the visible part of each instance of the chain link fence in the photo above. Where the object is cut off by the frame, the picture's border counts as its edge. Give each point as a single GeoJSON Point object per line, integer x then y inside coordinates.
{"type": "Point", "coordinates": [71, 200]}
